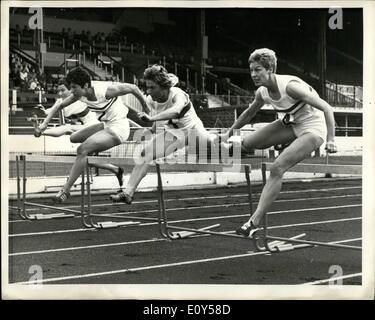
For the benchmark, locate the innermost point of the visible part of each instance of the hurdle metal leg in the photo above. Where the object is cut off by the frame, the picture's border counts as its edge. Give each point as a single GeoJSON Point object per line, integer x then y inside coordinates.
{"type": "Point", "coordinates": [19, 202]}
{"type": "Point", "coordinates": [250, 193]}
{"type": "Point", "coordinates": [162, 221]}
{"type": "Point", "coordinates": [83, 198]}
{"type": "Point", "coordinates": [88, 218]}
{"type": "Point", "coordinates": [24, 214]}
{"type": "Point", "coordinates": [300, 243]}
{"type": "Point", "coordinates": [22, 203]}
{"type": "Point", "coordinates": [265, 218]}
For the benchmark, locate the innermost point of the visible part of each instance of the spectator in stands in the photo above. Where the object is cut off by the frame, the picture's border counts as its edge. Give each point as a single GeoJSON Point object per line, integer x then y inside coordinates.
{"type": "Point", "coordinates": [308, 122]}
{"type": "Point", "coordinates": [113, 129]}
{"type": "Point", "coordinates": [33, 84]}
{"type": "Point", "coordinates": [23, 75]}
{"type": "Point", "coordinates": [54, 88]}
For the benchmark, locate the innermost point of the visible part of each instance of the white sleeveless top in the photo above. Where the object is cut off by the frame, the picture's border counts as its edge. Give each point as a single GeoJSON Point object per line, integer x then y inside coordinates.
{"type": "Point", "coordinates": [107, 110]}
{"type": "Point", "coordinates": [78, 110]}
{"type": "Point", "coordinates": [188, 117]}
{"type": "Point", "coordinates": [286, 104]}
{"type": "Point", "coordinates": [72, 109]}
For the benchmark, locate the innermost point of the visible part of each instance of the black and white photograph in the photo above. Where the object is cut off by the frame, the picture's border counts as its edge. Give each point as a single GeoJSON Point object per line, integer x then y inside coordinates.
{"type": "Point", "coordinates": [187, 150]}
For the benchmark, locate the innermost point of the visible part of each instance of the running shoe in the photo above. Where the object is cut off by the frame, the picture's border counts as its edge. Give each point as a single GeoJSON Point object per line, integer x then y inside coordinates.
{"type": "Point", "coordinates": [247, 230]}
{"type": "Point", "coordinates": [61, 197]}
{"type": "Point", "coordinates": [121, 197]}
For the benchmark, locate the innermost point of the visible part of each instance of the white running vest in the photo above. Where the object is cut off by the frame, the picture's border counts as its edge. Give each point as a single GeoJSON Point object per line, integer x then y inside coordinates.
{"type": "Point", "coordinates": [299, 110]}
{"type": "Point", "coordinates": [188, 117]}
{"type": "Point", "coordinates": [107, 110]}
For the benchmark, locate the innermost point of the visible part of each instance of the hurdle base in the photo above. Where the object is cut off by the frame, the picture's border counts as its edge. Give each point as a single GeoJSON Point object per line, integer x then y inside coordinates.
{"type": "Point", "coordinates": [283, 246]}
{"type": "Point", "coordinates": [50, 216]}
{"type": "Point", "coordinates": [111, 224]}
{"type": "Point", "coordinates": [185, 234]}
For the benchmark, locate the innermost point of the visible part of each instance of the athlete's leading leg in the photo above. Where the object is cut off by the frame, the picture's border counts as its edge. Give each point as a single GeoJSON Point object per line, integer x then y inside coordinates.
{"type": "Point", "coordinates": [299, 149]}
{"type": "Point", "coordinates": [98, 142]}
{"type": "Point", "coordinates": [158, 147]}
{"type": "Point", "coordinates": [118, 171]}
{"type": "Point", "coordinates": [85, 132]}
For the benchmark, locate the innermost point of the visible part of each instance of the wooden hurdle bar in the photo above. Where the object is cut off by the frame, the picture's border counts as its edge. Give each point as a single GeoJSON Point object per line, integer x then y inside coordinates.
{"type": "Point", "coordinates": [287, 243]}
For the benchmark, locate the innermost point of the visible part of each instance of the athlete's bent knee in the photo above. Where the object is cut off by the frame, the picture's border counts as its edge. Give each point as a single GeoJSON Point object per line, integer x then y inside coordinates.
{"type": "Point", "coordinates": [277, 170]}
{"type": "Point", "coordinates": [82, 151]}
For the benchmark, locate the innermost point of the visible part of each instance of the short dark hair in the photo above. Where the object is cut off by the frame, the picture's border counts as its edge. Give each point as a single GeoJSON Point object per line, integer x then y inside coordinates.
{"type": "Point", "coordinates": [63, 82]}
{"type": "Point", "coordinates": [78, 76]}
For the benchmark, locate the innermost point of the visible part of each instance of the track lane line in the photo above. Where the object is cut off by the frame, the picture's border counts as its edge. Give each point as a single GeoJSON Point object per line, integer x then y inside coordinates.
{"type": "Point", "coordinates": [240, 195]}
{"type": "Point", "coordinates": [186, 220]}
{"type": "Point", "coordinates": [124, 213]}
{"type": "Point", "coordinates": [161, 239]}
{"type": "Point", "coordinates": [353, 275]}
{"type": "Point", "coordinates": [146, 268]}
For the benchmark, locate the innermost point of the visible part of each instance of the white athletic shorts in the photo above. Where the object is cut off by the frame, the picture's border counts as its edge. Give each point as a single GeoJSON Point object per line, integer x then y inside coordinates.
{"type": "Point", "coordinates": [315, 125]}
{"type": "Point", "coordinates": [89, 119]}
{"type": "Point", "coordinates": [197, 131]}
{"type": "Point", "coordinates": [119, 127]}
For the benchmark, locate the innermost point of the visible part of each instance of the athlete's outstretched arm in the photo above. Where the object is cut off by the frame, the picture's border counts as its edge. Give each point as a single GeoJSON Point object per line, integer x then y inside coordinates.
{"type": "Point", "coordinates": [299, 92]}
{"type": "Point", "coordinates": [49, 110]}
{"type": "Point", "coordinates": [122, 89]}
{"type": "Point", "coordinates": [56, 108]}
{"type": "Point", "coordinates": [248, 114]}
{"type": "Point", "coordinates": [178, 103]}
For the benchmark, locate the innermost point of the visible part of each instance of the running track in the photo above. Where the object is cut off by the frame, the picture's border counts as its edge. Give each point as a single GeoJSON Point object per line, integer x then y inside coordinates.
{"type": "Point", "coordinates": [326, 210]}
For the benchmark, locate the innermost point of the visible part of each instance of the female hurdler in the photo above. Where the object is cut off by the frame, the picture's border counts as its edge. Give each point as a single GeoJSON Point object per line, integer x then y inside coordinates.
{"type": "Point", "coordinates": [77, 111]}
{"type": "Point", "coordinates": [307, 124]}
{"type": "Point", "coordinates": [113, 128]}
{"type": "Point", "coordinates": [172, 105]}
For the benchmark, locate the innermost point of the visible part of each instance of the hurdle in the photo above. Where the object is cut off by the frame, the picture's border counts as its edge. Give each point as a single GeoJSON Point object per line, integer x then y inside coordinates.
{"type": "Point", "coordinates": [21, 191]}
{"type": "Point", "coordinates": [184, 232]}
{"type": "Point", "coordinates": [88, 216]}
{"type": "Point", "coordinates": [22, 202]}
{"type": "Point", "coordinates": [275, 244]}
{"type": "Point", "coordinates": [165, 228]}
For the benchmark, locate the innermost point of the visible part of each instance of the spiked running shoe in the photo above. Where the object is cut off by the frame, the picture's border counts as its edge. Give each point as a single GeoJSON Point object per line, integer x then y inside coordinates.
{"type": "Point", "coordinates": [61, 197]}
{"type": "Point", "coordinates": [247, 230]}
{"type": "Point", "coordinates": [121, 197]}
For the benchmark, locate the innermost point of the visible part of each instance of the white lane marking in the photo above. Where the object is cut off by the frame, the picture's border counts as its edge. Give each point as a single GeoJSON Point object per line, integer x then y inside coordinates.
{"type": "Point", "coordinates": [145, 268]}
{"type": "Point", "coordinates": [204, 207]}
{"type": "Point", "coordinates": [87, 247]}
{"type": "Point", "coordinates": [209, 197]}
{"type": "Point", "coordinates": [212, 206]}
{"type": "Point", "coordinates": [353, 275]}
{"type": "Point", "coordinates": [153, 240]}
{"type": "Point", "coordinates": [186, 220]}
